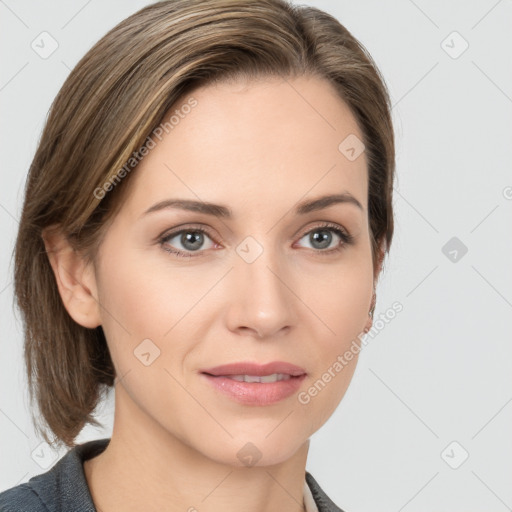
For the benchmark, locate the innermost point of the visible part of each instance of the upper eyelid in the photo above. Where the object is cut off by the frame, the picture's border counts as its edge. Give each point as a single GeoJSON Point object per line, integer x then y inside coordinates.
{"type": "Point", "coordinates": [174, 232]}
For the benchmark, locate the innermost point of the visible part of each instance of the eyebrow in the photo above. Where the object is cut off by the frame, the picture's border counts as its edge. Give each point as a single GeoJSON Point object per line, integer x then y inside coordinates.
{"type": "Point", "coordinates": [221, 211]}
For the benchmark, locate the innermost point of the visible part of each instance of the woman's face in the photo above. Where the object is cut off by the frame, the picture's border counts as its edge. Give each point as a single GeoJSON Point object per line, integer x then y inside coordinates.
{"type": "Point", "coordinates": [273, 281]}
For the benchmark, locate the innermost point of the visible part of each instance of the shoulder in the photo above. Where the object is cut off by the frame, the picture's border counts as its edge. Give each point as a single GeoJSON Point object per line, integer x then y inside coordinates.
{"type": "Point", "coordinates": [21, 498]}
{"type": "Point", "coordinates": [322, 501]}
{"type": "Point", "coordinates": [63, 488]}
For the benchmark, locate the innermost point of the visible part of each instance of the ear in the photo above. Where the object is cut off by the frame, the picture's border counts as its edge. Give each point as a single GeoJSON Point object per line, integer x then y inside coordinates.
{"type": "Point", "coordinates": [376, 274]}
{"type": "Point", "coordinates": [75, 278]}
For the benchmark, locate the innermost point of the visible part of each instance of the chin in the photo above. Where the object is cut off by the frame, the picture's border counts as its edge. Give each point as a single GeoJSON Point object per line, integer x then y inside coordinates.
{"type": "Point", "coordinates": [254, 451]}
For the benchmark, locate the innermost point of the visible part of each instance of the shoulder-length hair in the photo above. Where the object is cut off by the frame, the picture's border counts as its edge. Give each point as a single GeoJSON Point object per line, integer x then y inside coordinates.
{"type": "Point", "coordinates": [103, 115]}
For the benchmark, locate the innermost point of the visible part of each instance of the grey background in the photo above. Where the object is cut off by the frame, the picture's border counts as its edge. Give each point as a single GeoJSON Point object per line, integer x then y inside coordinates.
{"type": "Point", "coordinates": [441, 370]}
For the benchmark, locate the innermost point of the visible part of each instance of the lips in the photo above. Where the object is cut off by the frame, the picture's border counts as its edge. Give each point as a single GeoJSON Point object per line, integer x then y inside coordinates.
{"type": "Point", "coordinates": [256, 384]}
{"type": "Point", "coordinates": [254, 369]}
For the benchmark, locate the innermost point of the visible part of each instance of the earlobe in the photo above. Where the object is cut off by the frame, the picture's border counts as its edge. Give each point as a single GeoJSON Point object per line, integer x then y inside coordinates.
{"type": "Point", "coordinates": [75, 277]}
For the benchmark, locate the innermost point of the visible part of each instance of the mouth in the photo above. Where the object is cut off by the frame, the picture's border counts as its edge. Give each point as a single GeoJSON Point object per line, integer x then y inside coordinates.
{"type": "Point", "coordinates": [273, 377]}
{"type": "Point", "coordinates": [255, 369]}
{"type": "Point", "coordinates": [255, 384]}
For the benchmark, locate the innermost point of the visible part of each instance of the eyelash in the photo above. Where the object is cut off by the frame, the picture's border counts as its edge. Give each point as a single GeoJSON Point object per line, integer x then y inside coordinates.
{"type": "Point", "coordinates": [346, 238]}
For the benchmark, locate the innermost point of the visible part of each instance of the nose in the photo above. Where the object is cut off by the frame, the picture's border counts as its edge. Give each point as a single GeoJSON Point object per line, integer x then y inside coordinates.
{"type": "Point", "coordinates": [261, 300]}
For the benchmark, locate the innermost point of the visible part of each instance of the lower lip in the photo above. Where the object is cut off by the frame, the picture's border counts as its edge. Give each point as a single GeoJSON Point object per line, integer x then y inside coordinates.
{"type": "Point", "coordinates": [256, 393]}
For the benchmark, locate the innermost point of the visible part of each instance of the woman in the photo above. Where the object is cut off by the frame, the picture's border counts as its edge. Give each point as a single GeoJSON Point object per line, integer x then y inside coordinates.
{"type": "Point", "coordinates": [204, 224]}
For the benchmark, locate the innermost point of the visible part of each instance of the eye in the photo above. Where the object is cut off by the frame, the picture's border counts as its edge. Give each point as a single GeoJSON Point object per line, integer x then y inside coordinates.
{"type": "Point", "coordinates": [322, 237]}
{"type": "Point", "coordinates": [191, 240]}
{"type": "Point", "coordinates": [187, 241]}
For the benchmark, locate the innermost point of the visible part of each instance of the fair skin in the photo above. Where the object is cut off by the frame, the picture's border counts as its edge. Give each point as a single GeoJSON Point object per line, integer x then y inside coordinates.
{"type": "Point", "coordinates": [257, 148]}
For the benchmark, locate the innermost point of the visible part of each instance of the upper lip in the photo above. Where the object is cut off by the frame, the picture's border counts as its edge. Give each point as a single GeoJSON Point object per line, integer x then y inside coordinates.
{"type": "Point", "coordinates": [259, 370]}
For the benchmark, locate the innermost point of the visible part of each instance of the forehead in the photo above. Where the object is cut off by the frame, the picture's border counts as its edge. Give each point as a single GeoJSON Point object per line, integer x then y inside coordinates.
{"type": "Point", "coordinates": [254, 143]}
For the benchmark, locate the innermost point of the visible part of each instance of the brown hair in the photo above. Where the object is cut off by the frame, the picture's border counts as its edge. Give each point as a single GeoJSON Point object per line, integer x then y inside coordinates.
{"type": "Point", "coordinates": [112, 100]}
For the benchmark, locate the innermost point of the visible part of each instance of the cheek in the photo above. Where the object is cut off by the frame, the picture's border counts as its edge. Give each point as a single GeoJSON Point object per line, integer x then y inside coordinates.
{"type": "Point", "coordinates": [147, 299]}
{"type": "Point", "coordinates": [139, 306]}
{"type": "Point", "coordinates": [150, 308]}
{"type": "Point", "coordinates": [342, 305]}
{"type": "Point", "coordinates": [341, 297]}
{"type": "Point", "coordinates": [133, 308]}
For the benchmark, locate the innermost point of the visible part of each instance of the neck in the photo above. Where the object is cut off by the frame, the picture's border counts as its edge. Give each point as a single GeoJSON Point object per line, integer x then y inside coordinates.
{"type": "Point", "coordinates": [144, 467]}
